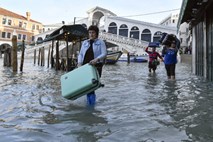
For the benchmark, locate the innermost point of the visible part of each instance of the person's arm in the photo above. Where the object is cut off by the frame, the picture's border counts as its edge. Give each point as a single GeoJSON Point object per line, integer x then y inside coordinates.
{"type": "Point", "coordinates": [147, 49]}
{"type": "Point", "coordinates": [164, 51]}
{"type": "Point", "coordinates": [103, 54]}
{"type": "Point", "coordinates": [160, 57]}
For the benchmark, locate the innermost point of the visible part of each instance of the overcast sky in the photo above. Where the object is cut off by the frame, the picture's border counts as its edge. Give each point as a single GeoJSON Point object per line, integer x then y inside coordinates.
{"type": "Point", "coordinates": [56, 11]}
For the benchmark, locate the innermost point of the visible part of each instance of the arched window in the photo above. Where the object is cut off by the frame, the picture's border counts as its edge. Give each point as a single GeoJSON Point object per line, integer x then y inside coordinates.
{"type": "Point", "coordinates": [157, 36]}
{"type": "Point", "coordinates": [123, 30]}
{"type": "Point", "coordinates": [134, 33]}
{"type": "Point", "coordinates": [112, 28]}
{"type": "Point", "coordinates": [146, 35]}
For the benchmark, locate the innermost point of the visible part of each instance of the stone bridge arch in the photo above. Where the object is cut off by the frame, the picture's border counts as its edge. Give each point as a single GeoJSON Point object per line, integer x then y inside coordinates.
{"type": "Point", "coordinates": [97, 18]}
{"type": "Point", "coordinates": [97, 14]}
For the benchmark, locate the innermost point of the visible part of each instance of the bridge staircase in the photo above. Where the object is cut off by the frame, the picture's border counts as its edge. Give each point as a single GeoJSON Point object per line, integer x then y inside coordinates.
{"type": "Point", "coordinates": [126, 44]}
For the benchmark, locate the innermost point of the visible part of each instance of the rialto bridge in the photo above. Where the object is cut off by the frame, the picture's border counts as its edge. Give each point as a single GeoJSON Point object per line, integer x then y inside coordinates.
{"type": "Point", "coordinates": [128, 34]}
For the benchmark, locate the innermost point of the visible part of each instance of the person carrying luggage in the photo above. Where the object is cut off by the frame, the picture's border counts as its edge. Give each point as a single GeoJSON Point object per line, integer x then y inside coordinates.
{"type": "Point", "coordinates": [93, 51]}
{"type": "Point", "coordinates": [153, 59]}
{"type": "Point", "coordinates": [169, 53]}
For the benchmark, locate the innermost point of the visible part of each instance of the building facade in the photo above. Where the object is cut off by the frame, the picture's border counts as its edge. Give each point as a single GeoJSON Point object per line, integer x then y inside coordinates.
{"type": "Point", "coordinates": [198, 14]}
{"type": "Point", "coordinates": [170, 20]}
{"type": "Point", "coordinates": [185, 37]}
{"type": "Point", "coordinates": [14, 24]}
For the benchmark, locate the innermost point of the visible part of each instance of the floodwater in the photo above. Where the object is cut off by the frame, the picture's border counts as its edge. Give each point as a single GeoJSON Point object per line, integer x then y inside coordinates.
{"type": "Point", "coordinates": [134, 106]}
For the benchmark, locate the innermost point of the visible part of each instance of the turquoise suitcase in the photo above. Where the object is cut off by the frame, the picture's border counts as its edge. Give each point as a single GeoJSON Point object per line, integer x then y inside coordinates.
{"type": "Point", "coordinates": [79, 82]}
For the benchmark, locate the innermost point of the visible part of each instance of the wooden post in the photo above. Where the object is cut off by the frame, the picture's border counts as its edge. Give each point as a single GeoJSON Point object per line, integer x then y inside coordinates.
{"type": "Point", "coordinates": [57, 67]}
{"type": "Point", "coordinates": [22, 56]}
{"type": "Point", "coordinates": [48, 58]}
{"type": "Point", "coordinates": [42, 56]}
{"type": "Point", "coordinates": [68, 61]}
{"type": "Point", "coordinates": [14, 53]}
{"type": "Point", "coordinates": [6, 58]}
{"type": "Point", "coordinates": [52, 59]}
{"type": "Point", "coordinates": [128, 58]}
{"type": "Point", "coordinates": [9, 57]}
{"type": "Point", "coordinates": [39, 55]}
{"type": "Point", "coordinates": [34, 56]}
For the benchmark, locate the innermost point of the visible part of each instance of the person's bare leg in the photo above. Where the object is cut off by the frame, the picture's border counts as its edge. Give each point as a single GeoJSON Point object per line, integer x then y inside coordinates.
{"type": "Point", "coordinates": [172, 77]}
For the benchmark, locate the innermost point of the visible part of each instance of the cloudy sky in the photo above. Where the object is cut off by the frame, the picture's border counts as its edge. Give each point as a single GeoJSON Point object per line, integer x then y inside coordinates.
{"type": "Point", "coordinates": [55, 11]}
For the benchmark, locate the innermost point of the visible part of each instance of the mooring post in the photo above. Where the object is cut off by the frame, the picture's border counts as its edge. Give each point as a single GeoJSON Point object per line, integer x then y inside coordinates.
{"type": "Point", "coordinates": [57, 67]}
{"type": "Point", "coordinates": [42, 56]}
{"type": "Point", "coordinates": [128, 58]}
{"type": "Point", "coordinates": [48, 58]}
{"type": "Point", "coordinates": [52, 59]}
{"type": "Point", "coordinates": [39, 55]}
{"type": "Point", "coordinates": [34, 56]}
{"type": "Point", "coordinates": [14, 53]}
{"type": "Point", "coordinates": [22, 56]}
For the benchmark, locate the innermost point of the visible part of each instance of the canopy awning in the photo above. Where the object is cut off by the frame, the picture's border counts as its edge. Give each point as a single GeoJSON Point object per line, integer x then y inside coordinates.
{"type": "Point", "coordinates": [69, 33]}
{"type": "Point", "coordinates": [192, 10]}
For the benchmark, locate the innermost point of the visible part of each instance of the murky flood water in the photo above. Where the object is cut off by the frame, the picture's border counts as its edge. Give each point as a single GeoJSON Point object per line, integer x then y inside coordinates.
{"type": "Point", "coordinates": [134, 106]}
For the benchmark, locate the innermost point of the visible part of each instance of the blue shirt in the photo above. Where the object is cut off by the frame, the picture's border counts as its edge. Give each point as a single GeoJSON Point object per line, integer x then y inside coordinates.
{"type": "Point", "coordinates": [170, 56]}
{"type": "Point", "coordinates": [99, 49]}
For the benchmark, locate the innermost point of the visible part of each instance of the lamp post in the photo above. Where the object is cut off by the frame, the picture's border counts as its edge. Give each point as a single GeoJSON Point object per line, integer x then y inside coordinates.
{"type": "Point", "coordinates": [14, 51]}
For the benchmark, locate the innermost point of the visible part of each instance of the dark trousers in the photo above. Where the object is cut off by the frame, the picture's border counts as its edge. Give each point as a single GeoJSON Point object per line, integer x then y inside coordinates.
{"type": "Point", "coordinates": [152, 66]}
{"type": "Point", "coordinates": [170, 69]}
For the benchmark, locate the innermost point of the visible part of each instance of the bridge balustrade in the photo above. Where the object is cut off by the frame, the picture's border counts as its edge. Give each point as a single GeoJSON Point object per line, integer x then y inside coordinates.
{"type": "Point", "coordinates": [134, 43]}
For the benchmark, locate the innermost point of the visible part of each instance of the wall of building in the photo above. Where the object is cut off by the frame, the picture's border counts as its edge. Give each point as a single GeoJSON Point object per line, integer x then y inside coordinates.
{"type": "Point", "coordinates": [24, 29]}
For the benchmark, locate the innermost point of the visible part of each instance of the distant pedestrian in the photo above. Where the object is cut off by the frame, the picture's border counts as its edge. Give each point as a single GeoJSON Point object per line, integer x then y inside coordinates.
{"type": "Point", "coordinates": [169, 53]}
{"type": "Point", "coordinates": [93, 51]}
{"type": "Point", "coordinates": [153, 59]}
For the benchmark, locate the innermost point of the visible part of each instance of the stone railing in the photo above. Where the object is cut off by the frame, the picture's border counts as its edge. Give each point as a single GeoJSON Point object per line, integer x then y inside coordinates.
{"type": "Point", "coordinates": [124, 40]}
{"type": "Point", "coordinates": [30, 49]}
